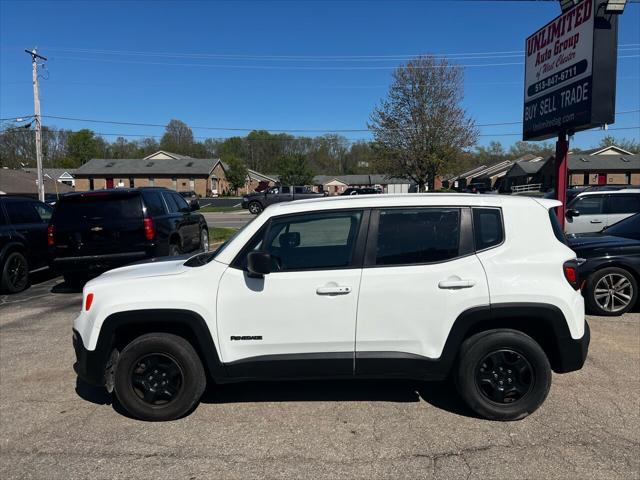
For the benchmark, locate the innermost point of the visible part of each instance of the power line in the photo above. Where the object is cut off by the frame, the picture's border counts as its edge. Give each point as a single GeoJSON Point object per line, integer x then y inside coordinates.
{"type": "Point", "coordinates": [278, 130]}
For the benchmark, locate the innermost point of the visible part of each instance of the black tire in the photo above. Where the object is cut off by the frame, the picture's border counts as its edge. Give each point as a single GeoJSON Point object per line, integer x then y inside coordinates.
{"type": "Point", "coordinates": [174, 249]}
{"type": "Point", "coordinates": [478, 374]}
{"type": "Point", "coordinates": [15, 273]}
{"type": "Point", "coordinates": [599, 281]}
{"type": "Point", "coordinates": [75, 280]}
{"type": "Point", "coordinates": [255, 208]}
{"type": "Point", "coordinates": [150, 399]}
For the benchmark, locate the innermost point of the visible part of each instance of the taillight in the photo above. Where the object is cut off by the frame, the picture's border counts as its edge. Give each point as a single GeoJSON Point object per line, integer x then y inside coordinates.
{"type": "Point", "coordinates": [570, 269]}
{"type": "Point", "coordinates": [149, 229]}
{"type": "Point", "coordinates": [88, 301]}
{"type": "Point", "coordinates": [51, 240]}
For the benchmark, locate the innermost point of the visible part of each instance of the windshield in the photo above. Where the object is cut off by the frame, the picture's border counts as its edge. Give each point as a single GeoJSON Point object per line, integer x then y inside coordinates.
{"type": "Point", "coordinates": [206, 257]}
{"type": "Point", "coordinates": [628, 228]}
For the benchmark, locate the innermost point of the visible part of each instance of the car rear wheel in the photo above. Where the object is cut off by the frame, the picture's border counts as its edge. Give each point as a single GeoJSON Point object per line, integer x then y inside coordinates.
{"type": "Point", "coordinates": [255, 208]}
{"type": "Point", "coordinates": [503, 374]}
{"type": "Point", "coordinates": [159, 376]}
{"type": "Point", "coordinates": [15, 273]}
{"type": "Point", "coordinates": [611, 291]}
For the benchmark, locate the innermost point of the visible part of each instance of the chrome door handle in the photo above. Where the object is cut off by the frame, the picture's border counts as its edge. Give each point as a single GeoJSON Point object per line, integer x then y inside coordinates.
{"type": "Point", "coordinates": [596, 221]}
{"type": "Point", "coordinates": [333, 290]}
{"type": "Point", "coordinates": [455, 284]}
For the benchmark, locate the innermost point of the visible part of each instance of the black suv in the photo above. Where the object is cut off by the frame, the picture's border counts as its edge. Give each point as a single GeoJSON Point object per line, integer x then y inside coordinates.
{"type": "Point", "coordinates": [23, 240]}
{"type": "Point", "coordinates": [92, 232]}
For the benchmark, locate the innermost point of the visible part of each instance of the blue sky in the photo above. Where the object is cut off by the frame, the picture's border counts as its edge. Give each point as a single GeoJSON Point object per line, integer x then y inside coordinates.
{"type": "Point", "coordinates": [176, 61]}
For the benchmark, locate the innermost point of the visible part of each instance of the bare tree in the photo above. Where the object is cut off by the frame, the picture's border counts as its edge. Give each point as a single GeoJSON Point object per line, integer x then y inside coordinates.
{"type": "Point", "coordinates": [421, 125]}
{"type": "Point", "coordinates": [177, 138]}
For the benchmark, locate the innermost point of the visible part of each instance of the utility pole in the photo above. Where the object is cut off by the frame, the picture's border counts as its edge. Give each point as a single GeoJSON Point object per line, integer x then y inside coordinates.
{"type": "Point", "coordinates": [38, 119]}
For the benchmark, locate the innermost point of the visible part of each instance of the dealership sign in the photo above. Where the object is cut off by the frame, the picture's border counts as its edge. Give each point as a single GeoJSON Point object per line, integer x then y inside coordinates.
{"type": "Point", "coordinates": [570, 72]}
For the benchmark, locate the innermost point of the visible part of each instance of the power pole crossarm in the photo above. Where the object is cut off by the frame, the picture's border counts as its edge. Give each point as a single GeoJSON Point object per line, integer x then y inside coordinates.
{"type": "Point", "coordinates": [38, 119]}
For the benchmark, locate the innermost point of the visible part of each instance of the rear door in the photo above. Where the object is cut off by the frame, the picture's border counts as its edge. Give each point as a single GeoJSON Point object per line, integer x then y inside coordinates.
{"type": "Point", "coordinates": [592, 216]}
{"type": "Point", "coordinates": [420, 274]}
{"type": "Point", "coordinates": [28, 224]}
{"type": "Point", "coordinates": [99, 223]}
{"type": "Point", "coordinates": [620, 206]}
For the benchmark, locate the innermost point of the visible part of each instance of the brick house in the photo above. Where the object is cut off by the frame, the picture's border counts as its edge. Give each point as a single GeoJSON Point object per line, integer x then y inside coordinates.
{"type": "Point", "coordinates": [205, 176]}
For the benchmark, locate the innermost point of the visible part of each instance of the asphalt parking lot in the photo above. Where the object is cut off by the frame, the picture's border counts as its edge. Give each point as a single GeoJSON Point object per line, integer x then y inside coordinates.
{"type": "Point", "coordinates": [52, 427]}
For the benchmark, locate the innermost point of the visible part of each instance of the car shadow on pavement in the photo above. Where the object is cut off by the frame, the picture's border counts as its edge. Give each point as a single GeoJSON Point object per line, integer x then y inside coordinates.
{"type": "Point", "coordinates": [441, 395]}
{"type": "Point", "coordinates": [64, 287]}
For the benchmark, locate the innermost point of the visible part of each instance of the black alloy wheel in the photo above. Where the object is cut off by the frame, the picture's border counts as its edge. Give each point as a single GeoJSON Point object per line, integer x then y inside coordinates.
{"type": "Point", "coordinates": [157, 379]}
{"type": "Point", "coordinates": [15, 273]}
{"type": "Point", "coordinates": [504, 376]}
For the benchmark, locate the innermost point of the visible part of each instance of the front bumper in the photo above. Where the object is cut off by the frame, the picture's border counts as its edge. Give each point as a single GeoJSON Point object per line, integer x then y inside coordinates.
{"type": "Point", "coordinates": [90, 365]}
{"type": "Point", "coordinates": [572, 353]}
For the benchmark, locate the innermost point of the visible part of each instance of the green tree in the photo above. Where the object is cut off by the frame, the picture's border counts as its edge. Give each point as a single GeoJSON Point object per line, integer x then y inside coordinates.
{"type": "Point", "coordinates": [421, 126]}
{"type": "Point", "coordinates": [236, 172]}
{"type": "Point", "coordinates": [294, 170]}
{"type": "Point", "coordinates": [82, 146]}
{"type": "Point", "coordinates": [177, 138]}
{"type": "Point", "coordinates": [629, 145]}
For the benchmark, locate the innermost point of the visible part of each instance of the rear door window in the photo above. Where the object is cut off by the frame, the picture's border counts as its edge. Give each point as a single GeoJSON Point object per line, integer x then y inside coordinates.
{"type": "Point", "coordinates": [417, 235]}
{"type": "Point", "coordinates": [180, 202]}
{"type": "Point", "coordinates": [487, 227]}
{"type": "Point", "coordinates": [171, 203]}
{"type": "Point", "coordinates": [20, 212]}
{"type": "Point", "coordinates": [623, 203]}
{"type": "Point", "coordinates": [44, 211]}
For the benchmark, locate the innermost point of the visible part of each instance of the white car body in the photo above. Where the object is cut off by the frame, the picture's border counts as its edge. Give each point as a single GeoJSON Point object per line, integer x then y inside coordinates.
{"type": "Point", "coordinates": [405, 309]}
{"type": "Point", "coordinates": [597, 209]}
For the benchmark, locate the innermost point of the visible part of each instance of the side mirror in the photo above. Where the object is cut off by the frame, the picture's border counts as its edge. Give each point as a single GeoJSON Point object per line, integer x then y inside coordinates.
{"type": "Point", "coordinates": [194, 206]}
{"type": "Point", "coordinates": [572, 213]}
{"type": "Point", "coordinates": [259, 263]}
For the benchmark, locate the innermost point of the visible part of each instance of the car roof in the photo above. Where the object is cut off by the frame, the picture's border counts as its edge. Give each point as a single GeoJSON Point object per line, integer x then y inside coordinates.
{"type": "Point", "coordinates": [406, 200]}
{"type": "Point", "coordinates": [609, 192]}
{"type": "Point", "coordinates": [112, 191]}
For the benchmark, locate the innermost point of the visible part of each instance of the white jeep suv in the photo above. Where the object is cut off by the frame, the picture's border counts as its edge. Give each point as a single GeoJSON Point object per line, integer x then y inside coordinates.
{"type": "Point", "coordinates": [480, 288]}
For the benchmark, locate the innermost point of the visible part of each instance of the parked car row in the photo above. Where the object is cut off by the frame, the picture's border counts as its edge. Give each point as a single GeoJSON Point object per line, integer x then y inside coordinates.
{"type": "Point", "coordinates": [91, 232]}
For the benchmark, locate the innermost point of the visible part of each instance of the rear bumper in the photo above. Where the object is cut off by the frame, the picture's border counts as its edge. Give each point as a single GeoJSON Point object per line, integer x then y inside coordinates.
{"type": "Point", "coordinates": [96, 263]}
{"type": "Point", "coordinates": [89, 364]}
{"type": "Point", "coordinates": [572, 353]}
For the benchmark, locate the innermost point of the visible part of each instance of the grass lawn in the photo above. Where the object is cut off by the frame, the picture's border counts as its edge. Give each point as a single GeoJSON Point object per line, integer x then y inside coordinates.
{"type": "Point", "coordinates": [210, 208]}
{"type": "Point", "coordinates": [220, 234]}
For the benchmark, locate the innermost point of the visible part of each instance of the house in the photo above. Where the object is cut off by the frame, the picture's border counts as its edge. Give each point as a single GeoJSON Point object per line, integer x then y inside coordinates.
{"type": "Point", "coordinates": [62, 175]}
{"type": "Point", "coordinates": [600, 166]}
{"type": "Point", "coordinates": [337, 184]}
{"type": "Point", "coordinates": [492, 176]}
{"type": "Point", "coordinates": [255, 180]}
{"type": "Point", "coordinates": [609, 165]}
{"type": "Point", "coordinates": [20, 182]}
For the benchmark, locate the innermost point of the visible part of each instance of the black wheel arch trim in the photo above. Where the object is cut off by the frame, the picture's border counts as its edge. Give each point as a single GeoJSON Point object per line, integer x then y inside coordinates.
{"type": "Point", "coordinates": [129, 324]}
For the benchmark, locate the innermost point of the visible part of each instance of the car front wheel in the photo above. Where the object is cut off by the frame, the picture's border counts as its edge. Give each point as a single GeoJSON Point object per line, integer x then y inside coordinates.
{"type": "Point", "coordinates": [503, 374]}
{"type": "Point", "coordinates": [159, 376]}
{"type": "Point", "coordinates": [255, 208]}
{"type": "Point", "coordinates": [611, 291]}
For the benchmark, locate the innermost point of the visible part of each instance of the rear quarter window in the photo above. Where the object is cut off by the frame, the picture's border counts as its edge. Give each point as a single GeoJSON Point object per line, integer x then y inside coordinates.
{"type": "Point", "coordinates": [487, 227]}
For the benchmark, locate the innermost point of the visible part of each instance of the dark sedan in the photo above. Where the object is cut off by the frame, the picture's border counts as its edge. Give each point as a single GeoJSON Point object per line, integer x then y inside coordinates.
{"type": "Point", "coordinates": [611, 272]}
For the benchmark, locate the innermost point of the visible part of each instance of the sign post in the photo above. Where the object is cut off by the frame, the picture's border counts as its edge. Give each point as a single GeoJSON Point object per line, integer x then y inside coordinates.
{"type": "Point", "coordinates": [570, 79]}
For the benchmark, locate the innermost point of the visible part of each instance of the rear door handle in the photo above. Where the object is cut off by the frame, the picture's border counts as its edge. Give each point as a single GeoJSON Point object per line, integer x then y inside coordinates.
{"type": "Point", "coordinates": [333, 290]}
{"type": "Point", "coordinates": [596, 221]}
{"type": "Point", "coordinates": [454, 284]}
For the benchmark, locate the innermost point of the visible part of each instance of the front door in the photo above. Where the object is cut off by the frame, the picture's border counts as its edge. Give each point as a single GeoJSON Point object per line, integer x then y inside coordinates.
{"type": "Point", "coordinates": [109, 182]}
{"type": "Point", "coordinates": [298, 320]}
{"type": "Point", "coordinates": [420, 274]}
{"type": "Point", "coordinates": [602, 179]}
